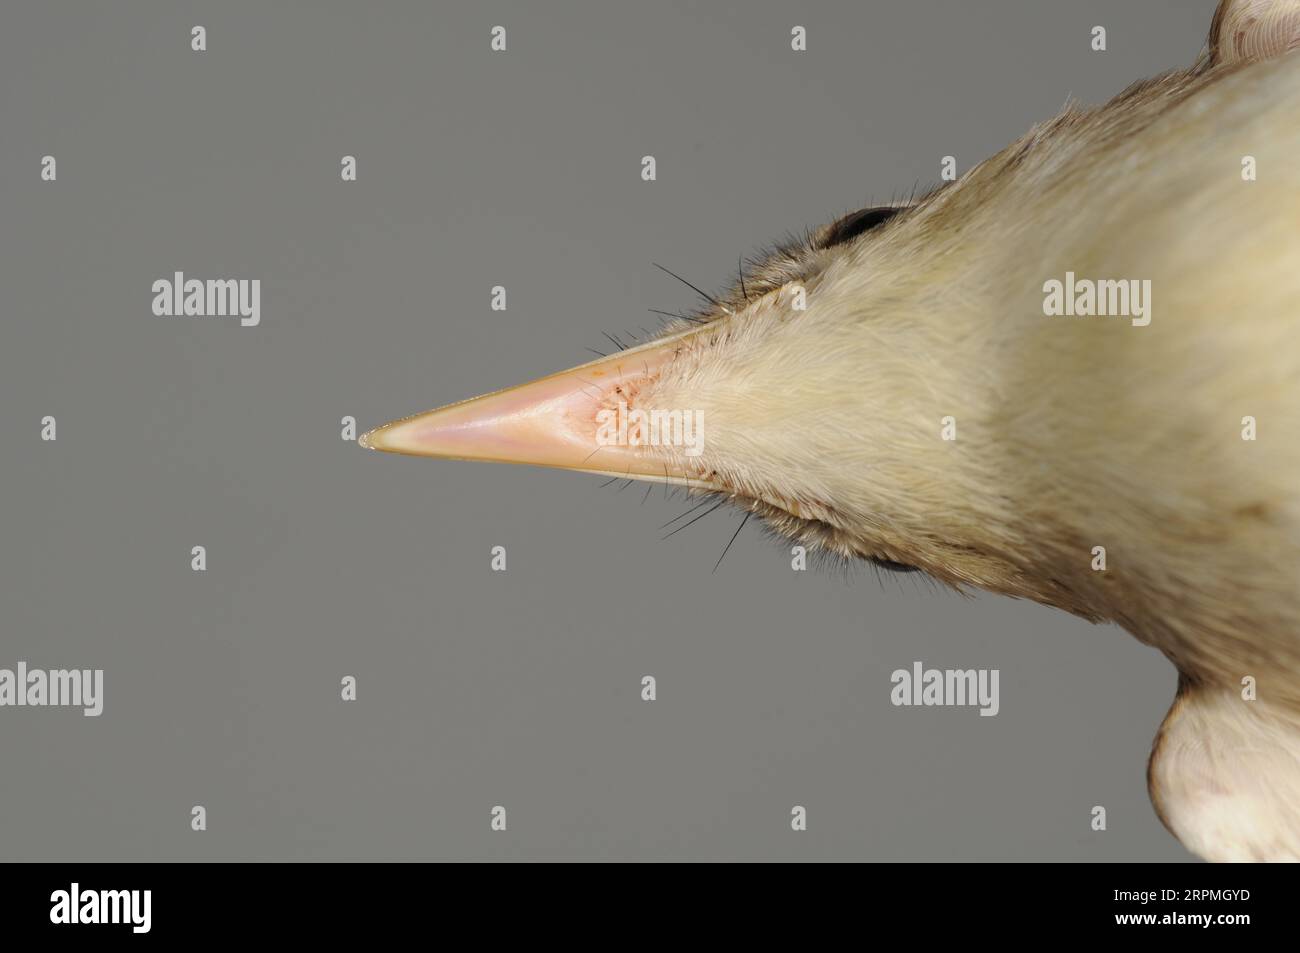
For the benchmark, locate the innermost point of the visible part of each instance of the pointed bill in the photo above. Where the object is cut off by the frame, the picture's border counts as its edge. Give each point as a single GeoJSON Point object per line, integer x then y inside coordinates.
{"type": "Point", "coordinates": [551, 422]}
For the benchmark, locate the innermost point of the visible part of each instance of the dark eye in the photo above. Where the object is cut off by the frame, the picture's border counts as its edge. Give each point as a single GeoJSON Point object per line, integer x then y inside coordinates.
{"type": "Point", "coordinates": [892, 566]}
{"type": "Point", "coordinates": [855, 224]}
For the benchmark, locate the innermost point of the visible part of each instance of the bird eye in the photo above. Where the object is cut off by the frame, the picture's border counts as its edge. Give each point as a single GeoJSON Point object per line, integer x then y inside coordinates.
{"type": "Point", "coordinates": [892, 566]}
{"type": "Point", "coordinates": [856, 223]}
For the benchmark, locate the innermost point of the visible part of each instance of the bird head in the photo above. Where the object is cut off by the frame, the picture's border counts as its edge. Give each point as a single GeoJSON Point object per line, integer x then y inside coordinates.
{"type": "Point", "coordinates": [805, 393]}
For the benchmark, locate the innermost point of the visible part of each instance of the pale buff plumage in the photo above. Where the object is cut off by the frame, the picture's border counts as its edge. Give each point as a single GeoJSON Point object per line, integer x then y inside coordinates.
{"type": "Point", "coordinates": [1071, 432]}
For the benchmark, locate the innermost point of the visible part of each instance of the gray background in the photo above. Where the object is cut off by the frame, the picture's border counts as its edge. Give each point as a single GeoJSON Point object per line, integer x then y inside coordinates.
{"type": "Point", "coordinates": [479, 688]}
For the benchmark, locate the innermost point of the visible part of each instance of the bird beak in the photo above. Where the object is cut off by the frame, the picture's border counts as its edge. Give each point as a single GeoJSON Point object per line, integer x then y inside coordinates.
{"type": "Point", "coordinates": [551, 422]}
